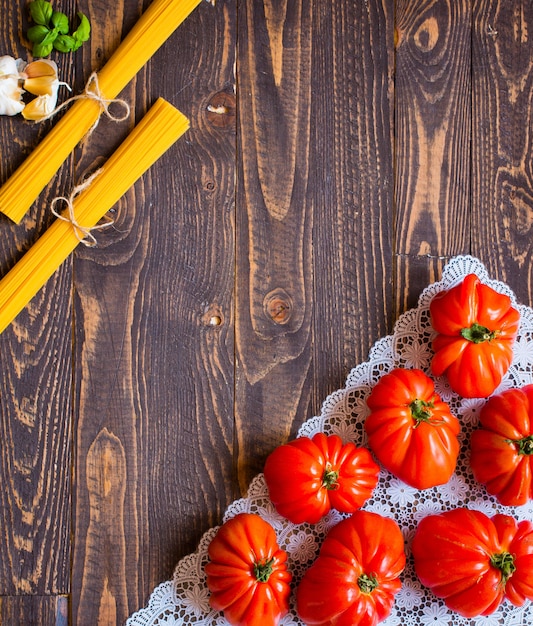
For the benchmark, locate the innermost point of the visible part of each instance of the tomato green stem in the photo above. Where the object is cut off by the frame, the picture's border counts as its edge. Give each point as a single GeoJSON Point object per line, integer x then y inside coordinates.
{"type": "Point", "coordinates": [421, 411]}
{"type": "Point", "coordinates": [329, 480]}
{"type": "Point", "coordinates": [367, 583]}
{"type": "Point", "coordinates": [505, 563]}
{"type": "Point", "coordinates": [263, 569]}
{"type": "Point", "coordinates": [478, 334]}
{"type": "Point", "coordinates": [524, 446]}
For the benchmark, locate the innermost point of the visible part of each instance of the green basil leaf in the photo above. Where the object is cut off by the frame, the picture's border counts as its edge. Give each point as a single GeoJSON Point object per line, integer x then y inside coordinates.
{"type": "Point", "coordinates": [60, 21]}
{"type": "Point", "coordinates": [42, 49]}
{"type": "Point", "coordinates": [41, 12]}
{"type": "Point", "coordinates": [64, 43]}
{"type": "Point", "coordinates": [83, 32]}
{"type": "Point", "coordinates": [37, 33]}
{"type": "Point", "coordinates": [51, 36]}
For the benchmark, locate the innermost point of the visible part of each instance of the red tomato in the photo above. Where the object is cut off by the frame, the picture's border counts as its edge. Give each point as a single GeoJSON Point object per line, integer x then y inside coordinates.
{"type": "Point", "coordinates": [502, 450]}
{"type": "Point", "coordinates": [247, 574]}
{"type": "Point", "coordinates": [473, 561]}
{"type": "Point", "coordinates": [356, 575]}
{"type": "Point", "coordinates": [307, 477]}
{"type": "Point", "coordinates": [411, 430]}
{"type": "Point", "coordinates": [476, 328]}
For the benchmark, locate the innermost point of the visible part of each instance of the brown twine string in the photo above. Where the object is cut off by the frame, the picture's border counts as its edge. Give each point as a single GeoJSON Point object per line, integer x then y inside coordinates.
{"type": "Point", "coordinates": [92, 91]}
{"type": "Point", "coordinates": [83, 233]}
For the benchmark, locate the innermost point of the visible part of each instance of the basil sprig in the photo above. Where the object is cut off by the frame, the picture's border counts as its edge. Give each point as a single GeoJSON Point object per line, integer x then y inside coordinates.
{"type": "Point", "coordinates": [51, 30]}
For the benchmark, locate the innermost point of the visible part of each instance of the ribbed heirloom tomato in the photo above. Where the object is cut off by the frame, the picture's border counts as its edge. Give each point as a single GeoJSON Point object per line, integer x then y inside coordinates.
{"type": "Point", "coordinates": [411, 430]}
{"type": "Point", "coordinates": [308, 476]}
{"type": "Point", "coordinates": [356, 575]}
{"type": "Point", "coordinates": [247, 574]}
{"type": "Point", "coordinates": [476, 327]}
{"type": "Point", "coordinates": [473, 561]}
{"type": "Point", "coordinates": [502, 449]}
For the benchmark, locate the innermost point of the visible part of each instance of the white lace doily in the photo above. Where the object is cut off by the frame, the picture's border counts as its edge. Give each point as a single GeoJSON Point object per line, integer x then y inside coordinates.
{"type": "Point", "coordinates": [184, 600]}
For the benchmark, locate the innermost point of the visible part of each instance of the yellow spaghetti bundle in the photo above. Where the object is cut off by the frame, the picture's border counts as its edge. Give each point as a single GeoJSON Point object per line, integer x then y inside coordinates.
{"type": "Point", "coordinates": [153, 28]}
{"type": "Point", "coordinates": [156, 132]}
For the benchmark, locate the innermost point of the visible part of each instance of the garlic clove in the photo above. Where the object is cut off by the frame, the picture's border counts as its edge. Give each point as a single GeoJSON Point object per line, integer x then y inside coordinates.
{"type": "Point", "coordinates": [41, 107]}
{"type": "Point", "coordinates": [40, 78]}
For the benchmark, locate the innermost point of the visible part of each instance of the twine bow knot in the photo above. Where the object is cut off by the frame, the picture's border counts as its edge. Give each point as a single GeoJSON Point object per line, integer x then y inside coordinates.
{"type": "Point", "coordinates": [92, 92]}
{"type": "Point", "coordinates": [83, 233]}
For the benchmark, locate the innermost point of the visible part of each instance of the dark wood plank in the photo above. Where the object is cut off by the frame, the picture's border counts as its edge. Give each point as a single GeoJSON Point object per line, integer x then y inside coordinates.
{"type": "Point", "coordinates": [274, 225]}
{"type": "Point", "coordinates": [34, 610]}
{"type": "Point", "coordinates": [35, 379]}
{"type": "Point", "coordinates": [35, 388]}
{"type": "Point", "coordinates": [502, 179]}
{"type": "Point", "coordinates": [432, 153]}
{"type": "Point", "coordinates": [154, 336]}
{"type": "Point", "coordinates": [350, 191]}
{"type": "Point", "coordinates": [313, 231]}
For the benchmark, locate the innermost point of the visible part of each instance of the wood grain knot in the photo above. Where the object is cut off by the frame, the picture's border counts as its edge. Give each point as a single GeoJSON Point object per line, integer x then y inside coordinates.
{"type": "Point", "coordinates": [278, 306]}
{"type": "Point", "coordinates": [221, 110]}
{"type": "Point", "coordinates": [213, 316]}
{"type": "Point", "coordinates": [427, 35]}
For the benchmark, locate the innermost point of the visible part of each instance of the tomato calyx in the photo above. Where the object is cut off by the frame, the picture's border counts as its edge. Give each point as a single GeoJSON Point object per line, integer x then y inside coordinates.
{"type": "Point", "coordinates": [504, 561]}
{"type": "Point", "coordinates": [329, 480]}
{"type": "Point", "coordinates": [367, 583]}
{"type": "Point", "coordinates": [263, 569]}
{"type": "Point", "coordinates": [421, 411]}
{"type": "Point", "coordinates": [478, 334]}
{"type": "Point", "coordinates": [524, 446]}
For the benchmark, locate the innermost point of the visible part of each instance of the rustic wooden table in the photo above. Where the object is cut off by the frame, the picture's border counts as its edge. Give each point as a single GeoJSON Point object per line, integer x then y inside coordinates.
{"type": "Point", "coordinates": [339, 154]}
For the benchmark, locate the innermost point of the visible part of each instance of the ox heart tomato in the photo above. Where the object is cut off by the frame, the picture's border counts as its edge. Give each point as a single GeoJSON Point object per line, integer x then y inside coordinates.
{"type": "Point", "coordinates": [502, 449]}
{"type": "Point", "coordinates": [308, 476]}
{"type": "Point", "coordinates": [411, 430]}
{"type": "Point", "coordinates": [476, 327]}
{"type": "Point", "coordinates": [247, 573]}
{"type": "Point", "coordinates": [356, 575]}
{"type": "Point", "coordinates": [473, 561]}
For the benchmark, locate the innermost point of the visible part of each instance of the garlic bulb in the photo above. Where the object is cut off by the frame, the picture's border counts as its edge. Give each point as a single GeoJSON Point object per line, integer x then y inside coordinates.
{"type": "Point", "coordinates": [10, 89]}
